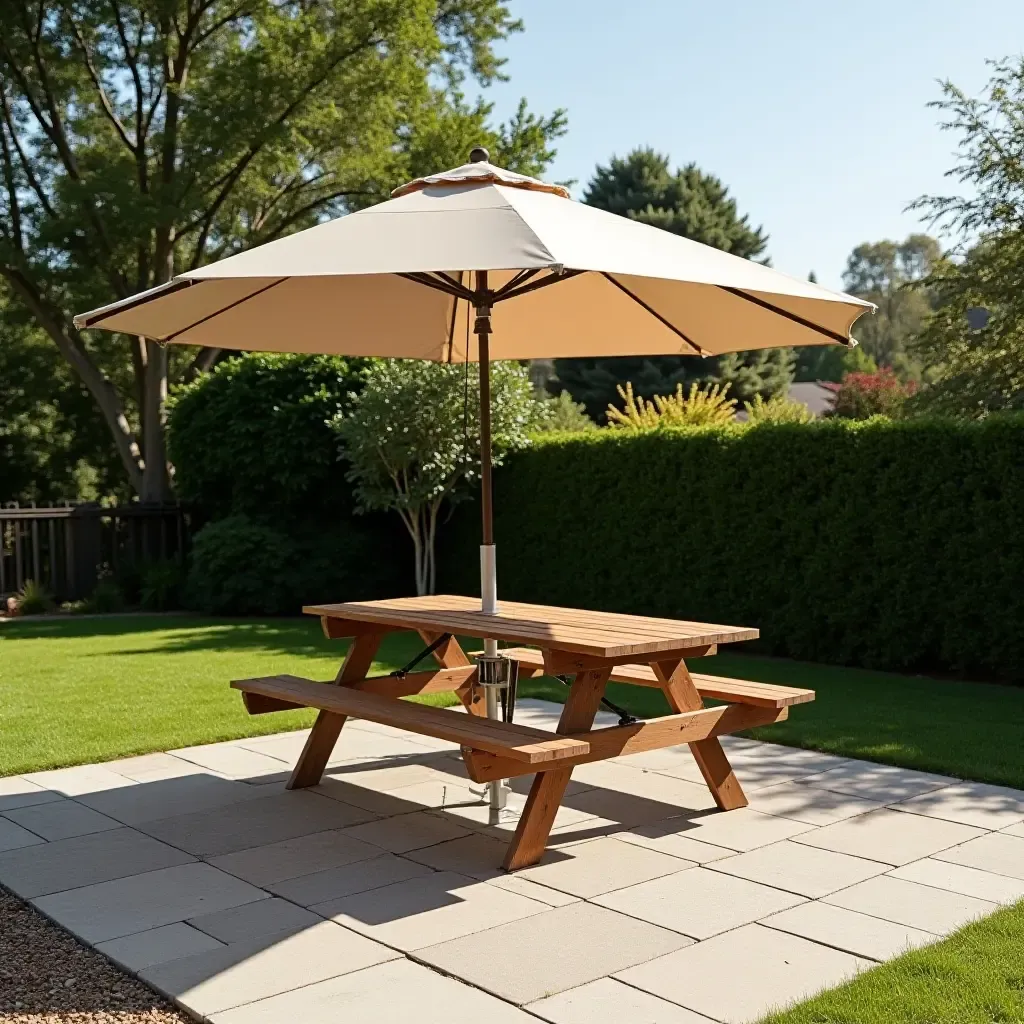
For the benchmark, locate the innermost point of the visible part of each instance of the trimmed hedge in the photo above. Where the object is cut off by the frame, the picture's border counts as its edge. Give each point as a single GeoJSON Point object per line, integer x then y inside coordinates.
{"type": "Point", "coordinates": [896, 545]}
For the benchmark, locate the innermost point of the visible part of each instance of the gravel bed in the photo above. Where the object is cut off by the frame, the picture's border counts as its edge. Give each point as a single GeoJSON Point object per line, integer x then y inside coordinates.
{"type": "Point", "coordinates": [47, 977]}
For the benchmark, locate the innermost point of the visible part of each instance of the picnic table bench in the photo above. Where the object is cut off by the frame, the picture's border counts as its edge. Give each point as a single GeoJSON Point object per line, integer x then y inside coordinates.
{"type": "Point", "coordinates": [593, 647]}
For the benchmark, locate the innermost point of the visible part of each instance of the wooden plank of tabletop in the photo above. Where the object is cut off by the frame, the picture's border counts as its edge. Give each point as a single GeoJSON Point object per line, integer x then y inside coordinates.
{"type": "Point", "coordinates": [618, 636]}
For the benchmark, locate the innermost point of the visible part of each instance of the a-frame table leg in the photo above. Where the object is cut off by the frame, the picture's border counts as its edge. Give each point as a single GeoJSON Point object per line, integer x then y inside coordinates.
{"type": "Point", "coordinates": [320, 743]}
{"type": "Point", "coordinates": [451, 655]}
{"type": "Point", "coordinates": [531, 837]}
{"type": "Point", "coordinates": [711, 759]}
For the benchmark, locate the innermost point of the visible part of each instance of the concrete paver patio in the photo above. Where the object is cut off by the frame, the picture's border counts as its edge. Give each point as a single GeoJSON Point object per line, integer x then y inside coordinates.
{"type": "Point", "coordinates": [378, 896]}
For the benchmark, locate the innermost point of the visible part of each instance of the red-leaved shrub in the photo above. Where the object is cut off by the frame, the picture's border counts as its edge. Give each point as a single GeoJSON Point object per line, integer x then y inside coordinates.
{"type": "Point", "coordinates": [881, 393]}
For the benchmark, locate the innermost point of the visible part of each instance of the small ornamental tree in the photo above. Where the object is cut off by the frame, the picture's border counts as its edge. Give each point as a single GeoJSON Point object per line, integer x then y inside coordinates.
{"type": "Point", "coordinates": [862, 395]}
{"type": "Point", "coordinates": [412, 440]}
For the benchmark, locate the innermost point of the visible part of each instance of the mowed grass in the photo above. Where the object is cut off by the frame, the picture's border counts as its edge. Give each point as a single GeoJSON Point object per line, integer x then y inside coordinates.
{"type": "Point", "coordinates": [74, 691]}
{"type": "Point", "coordinates": [77, 691]}
{"type": "Point", "coordinates": [976, 976]}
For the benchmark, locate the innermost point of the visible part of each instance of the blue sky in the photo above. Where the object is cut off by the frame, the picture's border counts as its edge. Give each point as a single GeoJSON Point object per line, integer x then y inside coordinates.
{"type": "Point", "coordinates": [813, 113]}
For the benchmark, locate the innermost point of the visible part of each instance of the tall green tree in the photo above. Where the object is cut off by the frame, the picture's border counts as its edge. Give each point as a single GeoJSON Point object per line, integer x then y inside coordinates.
{"type": "Point", "coordinates": [53, 443]}
{"type": "Point", "coordinates": [138, 140]}
{"type": "Point", "coordinates": [980, 369]}
{"type": "Point", "coordinates": [688, 202]}
{"type": "Point", "coordinates": [892, 275]}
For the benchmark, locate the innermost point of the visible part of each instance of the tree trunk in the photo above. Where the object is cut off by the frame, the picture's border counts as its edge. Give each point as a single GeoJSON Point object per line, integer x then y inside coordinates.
{"type": "Point", "coordinates": [156, 481]}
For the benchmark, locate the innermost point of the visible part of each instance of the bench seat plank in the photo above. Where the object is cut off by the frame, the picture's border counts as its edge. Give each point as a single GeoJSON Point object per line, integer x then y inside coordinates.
{"type": "Point", "coordinates": [737, 691]}
{"type": "Point", "coordinates": [517, 742]}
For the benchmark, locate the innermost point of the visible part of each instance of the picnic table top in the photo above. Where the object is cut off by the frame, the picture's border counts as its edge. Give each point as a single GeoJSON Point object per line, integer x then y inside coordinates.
{"type": "Point", "coordinates": [599, 634]}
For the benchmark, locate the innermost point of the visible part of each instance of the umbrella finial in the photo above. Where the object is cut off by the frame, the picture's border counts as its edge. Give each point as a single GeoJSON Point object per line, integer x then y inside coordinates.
{"type": "Point", "coordinates": [479, 155]}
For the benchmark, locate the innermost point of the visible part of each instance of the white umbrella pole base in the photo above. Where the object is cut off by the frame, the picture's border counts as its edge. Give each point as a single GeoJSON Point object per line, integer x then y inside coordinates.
{"type": "Point", "coordinates": [497, 791]}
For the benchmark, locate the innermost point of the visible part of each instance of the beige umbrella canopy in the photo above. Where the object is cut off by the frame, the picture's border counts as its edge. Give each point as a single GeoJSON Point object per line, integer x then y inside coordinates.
{"type": "Point", "coordinates": [561, 279]}
{"type": "Point", "coordinates": [481, 263]}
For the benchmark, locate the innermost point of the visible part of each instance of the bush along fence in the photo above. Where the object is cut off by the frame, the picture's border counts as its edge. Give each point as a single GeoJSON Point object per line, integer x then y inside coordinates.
{"type": "Point", "coordinates": [895, 545]}
{"type": "Point", "coordinates": [65, 548]}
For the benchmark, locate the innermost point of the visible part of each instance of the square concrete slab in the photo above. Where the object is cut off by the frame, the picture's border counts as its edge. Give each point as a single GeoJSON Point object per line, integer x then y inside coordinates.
{"type": "Point", "coordinates": [741, 830]}
{"type": "Point", "coordinates": [671, 837]}
{"type": "Point", "coordinates": [971, 803]}
{"type": "Point", "coordinates": [985, 885]}
{"type": "Point", "coordinates": [424, 911]}
{"type": "Point", "coordinates": [1015, 830]}
{"type": "Point", "coordinates": [61, 819]}
{"type": "Point", "coordinates": [474, 812]}
{"type": "Point", "coordinates": [244, 972]}
{"type": "Point", "coordinates": [407, 831]}
{"type": "Point", "coordinates": [803, 870]}
{"type": "Point", "coordinates": [740, 976]}
{"type": "Point", "coordinates": [153, 767]}
{"type": "Point", "coordinates": [699, 902]}
{"type": "Point", "coordinates": [254, 823]}
{"type": "Point", "coordinates": [918, 906]}
{"type": "Point", "coordinates": [883, 782]}
{"type": "Point", "coordinates": [476, 855]}
{"type": "Point", "coordinates": [390, 803]}
{"type": "Point", "coordinates": [849, 931]}
{"type": "Point", "coordinates": [810, 804]}
{"type": "Point", "coordinates": [275, 862]}
{"type": "Point", "coordinates": [393, 993]}
{"type": "Point", "coordinates": [321, 888]}
{"type": "Point", "coordinates": [85, 860]}
{"type": "Point", "coordinates": [999, 852]}
{"type": "Point", "coordinates": [232, 760]}
{"type": "Point", "coordinates": [657, 796]}
{"type": "Point", "coordinates": [264, 917]}
{"type": "Point", "coordinates": [589, 869]}
{"type": "Point", "coordinates": [138, 802]}
{"type": "Point", "coordinates": [766, 765]}
{"type": "Point", "coordinates": [82, 780]}
{"type": "Point", "coordinates": [384, 780]}
{"type": "Point", "coordinates": [533, 891]}
{"type": "Point", "coordinates": [14, 837]}
{"type": "Point", "coordinates": [158, 945]}
{"type": "Point", "coordinates": [607, 1001]}
{"type": "Point", "coordinates": [528, 960]}
{"type": "Point", "coordinates": [109, 910]}
{"type": "Point", "coordinates": [16, 791]}
{"type": "Point", "coordinates": [890, 837]}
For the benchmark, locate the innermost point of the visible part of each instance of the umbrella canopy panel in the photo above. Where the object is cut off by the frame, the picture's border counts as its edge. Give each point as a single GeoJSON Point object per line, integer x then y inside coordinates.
{"type": "Point", "coordinates": [564, 280]}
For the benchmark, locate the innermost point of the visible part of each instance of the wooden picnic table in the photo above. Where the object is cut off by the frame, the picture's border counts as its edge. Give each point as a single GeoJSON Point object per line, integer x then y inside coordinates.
{"type": "Point", "coordinates": [593, 647]}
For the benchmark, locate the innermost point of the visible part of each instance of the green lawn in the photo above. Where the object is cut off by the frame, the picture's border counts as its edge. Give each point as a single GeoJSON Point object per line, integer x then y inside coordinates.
{"type": "Point", "coordinates": [80, 690]}
{"type": "Point", "coordinates": [976, 976]}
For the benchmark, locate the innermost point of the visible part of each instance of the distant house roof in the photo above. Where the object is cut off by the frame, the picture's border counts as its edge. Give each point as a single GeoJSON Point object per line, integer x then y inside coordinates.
{"type": "Point", "coordinates": [818, 395]}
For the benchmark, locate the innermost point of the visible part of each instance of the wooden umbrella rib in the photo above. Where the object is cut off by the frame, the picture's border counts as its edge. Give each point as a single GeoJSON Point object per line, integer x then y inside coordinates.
{"type": "Point", "coordinates": [657, 316]}
{"type": "Point", "coordinates": [521, 278]}
{"type": "Point", "coordinates": [225, 309]}
{"type": "Point", "coordinates": [448, 286]}
{"type": "Point", "coordinates": [532, 286]}
{"type": "Point", "coordinates": [739, 293]}
{"type": "Point", "coordinates": [169, 289]}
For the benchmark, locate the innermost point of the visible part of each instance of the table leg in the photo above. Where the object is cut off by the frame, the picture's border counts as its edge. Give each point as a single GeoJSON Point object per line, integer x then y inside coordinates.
{"type": "Point", "coordinates": [531, 838]}
{"type": "Point", "coordinates": [682, 696]}
{"type": "Point", "coordinates": [320, 743]}
{"type": "Point", "coordinates": [451, 655]}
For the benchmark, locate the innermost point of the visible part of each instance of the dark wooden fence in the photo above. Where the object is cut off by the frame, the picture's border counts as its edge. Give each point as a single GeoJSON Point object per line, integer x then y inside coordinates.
{"type": "Point", "coordinates": [64, 548]}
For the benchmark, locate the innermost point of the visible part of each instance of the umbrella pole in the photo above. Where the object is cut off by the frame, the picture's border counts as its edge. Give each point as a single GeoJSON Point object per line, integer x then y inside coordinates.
{"type": "Point", "coordinates": [497, 791]}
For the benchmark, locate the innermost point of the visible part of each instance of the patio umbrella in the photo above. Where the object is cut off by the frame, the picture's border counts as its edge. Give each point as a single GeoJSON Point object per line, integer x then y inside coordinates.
{"type": "Point", "coordinates": [535, 274]}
